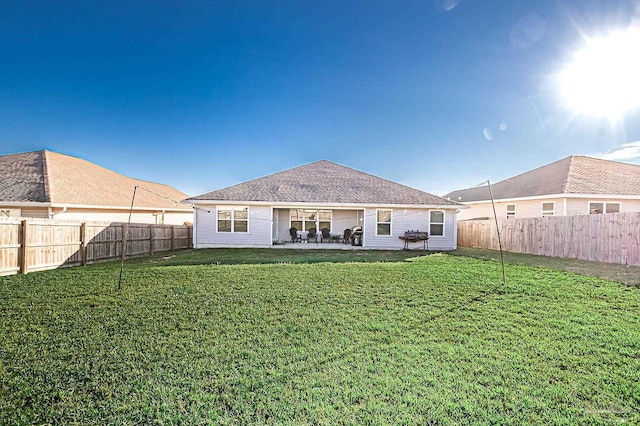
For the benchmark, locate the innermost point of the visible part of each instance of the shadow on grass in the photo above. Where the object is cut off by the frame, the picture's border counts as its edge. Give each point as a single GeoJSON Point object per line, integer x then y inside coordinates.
{"type": "Point", "coordinates": [629, 275]}
{"type": "Point", "coordinates": [250, 256]}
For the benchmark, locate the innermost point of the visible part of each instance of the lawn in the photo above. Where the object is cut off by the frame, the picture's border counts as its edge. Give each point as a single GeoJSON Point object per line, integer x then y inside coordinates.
{"type": "Point", "coordinates": [430, 340]}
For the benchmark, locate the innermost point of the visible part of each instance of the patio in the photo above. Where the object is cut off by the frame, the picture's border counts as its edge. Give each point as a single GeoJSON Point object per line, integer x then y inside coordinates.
{"type": "Point", "coordinates": [303, 245]}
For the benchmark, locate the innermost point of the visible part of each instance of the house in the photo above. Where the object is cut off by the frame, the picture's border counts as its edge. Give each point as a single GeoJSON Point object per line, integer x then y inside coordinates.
{"type": "Point", "coordinates": [321, 195]}
{"type": "Point", "coordinates": [575, 185]}
{"type": "Point", "coordinates": [46, 184]}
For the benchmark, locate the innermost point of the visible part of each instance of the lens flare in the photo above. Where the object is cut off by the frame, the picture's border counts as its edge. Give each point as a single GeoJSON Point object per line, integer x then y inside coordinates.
{"type": "Point", "coordinates": [604, 78]}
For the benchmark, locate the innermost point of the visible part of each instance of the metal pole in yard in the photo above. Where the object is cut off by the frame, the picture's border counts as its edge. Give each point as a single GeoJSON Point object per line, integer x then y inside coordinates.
{"type": "Point", "coordinates": [124, 237]}
{"type": "Point", "coordinates": [495, 217]}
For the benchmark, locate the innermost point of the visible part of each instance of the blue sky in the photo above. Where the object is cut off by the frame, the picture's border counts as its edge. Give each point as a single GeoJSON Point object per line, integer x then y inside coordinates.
{"type": "Point", "coordinates": [439, 95]}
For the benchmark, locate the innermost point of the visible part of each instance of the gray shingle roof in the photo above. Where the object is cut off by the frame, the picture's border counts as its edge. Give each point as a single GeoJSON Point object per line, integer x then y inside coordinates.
{"type": "Point", "coordinates": [571, 175]}
{"type": "Point", "coordinates": [22, 177]}
{"type": "Point", "coordinates": [50, 177]}
{"type": "Point", "coordinates": [324, 182]}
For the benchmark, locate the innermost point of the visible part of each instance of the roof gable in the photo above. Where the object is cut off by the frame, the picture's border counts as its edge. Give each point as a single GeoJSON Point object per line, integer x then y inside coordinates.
{"type": "Point", "coordinates": [571, 175]}
{"type": "Point", "coordinates": [324, 182]}
{"type": "Point", "coordinates": [45, 176]}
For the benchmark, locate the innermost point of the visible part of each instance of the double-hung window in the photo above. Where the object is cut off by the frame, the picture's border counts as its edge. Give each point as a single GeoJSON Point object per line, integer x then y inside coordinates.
{"type": "Point", "coordinates": [436, 223]}
{"type": "Point", "coordinates": [383, 222]}
{"type": "Point", "coordinates": [234, 219]}
{"type": "Point", "coordinates": [598, 207]}
{"type": "Point", "coordinates": [511, 211]}
{"type": "Point", "coordinates": [549, 208]}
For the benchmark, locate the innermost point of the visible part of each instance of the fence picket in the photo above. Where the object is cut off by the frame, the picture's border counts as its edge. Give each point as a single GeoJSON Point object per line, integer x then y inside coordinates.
{"type": "Point", "coordinates": [610, 238]}
{"type": "Point", "coordinates": [39, 244]}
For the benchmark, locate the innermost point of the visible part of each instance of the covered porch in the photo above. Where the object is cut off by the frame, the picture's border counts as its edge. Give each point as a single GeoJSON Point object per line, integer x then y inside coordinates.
{"type": "Point", "coordinates": [306, 220]}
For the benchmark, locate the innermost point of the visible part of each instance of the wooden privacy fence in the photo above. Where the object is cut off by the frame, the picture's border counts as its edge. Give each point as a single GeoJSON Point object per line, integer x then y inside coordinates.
{"type": "Point", "coordinates": [610, 238]}
{"type": "Point", "coordinates": [28, 245]}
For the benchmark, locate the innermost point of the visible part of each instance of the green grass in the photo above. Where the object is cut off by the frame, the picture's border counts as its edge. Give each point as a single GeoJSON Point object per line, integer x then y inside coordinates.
{"type": "Point", "coordinates": [266, 256]}
{"type": "Point", "coordinates": [432, 340]}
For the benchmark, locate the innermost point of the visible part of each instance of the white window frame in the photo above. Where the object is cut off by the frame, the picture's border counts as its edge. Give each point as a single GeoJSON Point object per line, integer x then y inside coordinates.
{"type": "Point", "coordinates": [316, 222]}
{"type": "Point", "coordinates": [390, 223]}
{"type": "Point", "coordinates": [509, 213]}
{"type": "Point", "coordinates": [548, 212]}
{"type": "Point", "coordinates": [233, 210]}
{"type": "Point", "coordinates": [444, 220]}
{"type": "Point", "coordinates": [604, 206]}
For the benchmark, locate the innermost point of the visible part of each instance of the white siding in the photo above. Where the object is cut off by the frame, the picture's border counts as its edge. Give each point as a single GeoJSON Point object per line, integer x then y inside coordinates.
{"type": "Point", "coordinates": [581, 205]}
{"type": "Point", "coordinates": [35, 212]}
{"type": "Point", "coordinates": [259, 234]}
{"type": "Point", "coordinates": [344, 219]}
{"type": "Point", "coordinates": [406, 220]}
{"type": "Point", "coordinates": [282, 224]}
{"type": "Point", "coordinates": [122, 216]}
{"type": "Point", "coordinates": [533, 208]}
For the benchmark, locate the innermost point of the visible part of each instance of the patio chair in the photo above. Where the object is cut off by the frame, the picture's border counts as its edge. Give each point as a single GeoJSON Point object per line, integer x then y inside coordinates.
{"type": "Point", "coordinates": [347, 235]}
{"type": "Point", "coordinates": [312, 235]}
{"type": "Point", "coordinates": [294, 234]}
{"type": "Point", "coordinates": [326, 235]}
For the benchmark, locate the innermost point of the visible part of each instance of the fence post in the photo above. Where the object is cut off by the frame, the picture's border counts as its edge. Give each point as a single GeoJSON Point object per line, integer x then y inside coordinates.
{"type": "Point", "coordinates": [83, 243]}
{"type": "Point", "coordinates": [24, 264]}
{"type": "Point", "coordinates": [150, 239]}
{"type": "Point", "coordinates": [172, 237]}
{"type": "Point", "coordinates": [123, 251]}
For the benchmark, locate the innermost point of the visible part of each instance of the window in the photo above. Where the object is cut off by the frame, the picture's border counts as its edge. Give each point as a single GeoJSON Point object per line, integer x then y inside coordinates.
{"type": "Point", "coordinates": [303, 220]}
{"type": "Point", "coordinates": [159, 218]}
{"type": "Point", "coordinates": [549, 208]}
{"type": "Point", "coordinates": [233, 220]}
{"type": "Point", "coordinates": [436, 223]}
{"type": "Point", "coordinates": [383, 222]}
{"type": "Point", "coordinates": [511, 211]}
{"type": "Point", "coordinates": [599, 207]}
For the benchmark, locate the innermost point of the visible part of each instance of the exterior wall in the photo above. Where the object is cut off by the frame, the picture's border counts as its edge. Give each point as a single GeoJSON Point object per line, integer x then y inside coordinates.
{"type": "Point", "coordinates": [205, 234]}
{"type": "Point", "coordinates": [281, 224]}
{"type": "Point", "coordinates": [123, 216]}
{"type": "Point", "coordinates": [405, 220]}
{"type": "Point", "coordinates": [263, 228]}
{"type": "Point", "coordinates": [340, 220]}
{"type": "Point", "coordinates": [38, 212]}
{"type": "Point", "coordinates": [343, 219]}
{"type": "Point", "coordinates": [533, 208]}
{"type": "Point", "coordinates": [577, 206]}
{"type": "Point", "coordinates": [103, 215]}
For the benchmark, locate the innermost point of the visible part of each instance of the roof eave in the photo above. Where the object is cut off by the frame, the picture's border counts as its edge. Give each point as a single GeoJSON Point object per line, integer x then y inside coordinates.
{"type": "Point", "coordinates": [543, 197]}
{"type": "Point", "coordinates": [304, 204]}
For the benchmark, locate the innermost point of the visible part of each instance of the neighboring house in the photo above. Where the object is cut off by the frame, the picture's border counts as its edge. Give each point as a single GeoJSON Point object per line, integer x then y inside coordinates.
{"type": "Point", "coordinates": [45, 184]}
{"type": "Point", "coordinates": [572, 186]}
{"type": "Point", "coordinates": [321, 195]}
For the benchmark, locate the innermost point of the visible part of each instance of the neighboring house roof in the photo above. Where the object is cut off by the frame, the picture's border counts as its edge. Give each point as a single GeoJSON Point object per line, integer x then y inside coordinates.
{"type": "Point", "coordinates": [324, 182]}
{"type": "Point", "coordinates": [571, 175]}
{"type": "Point", "coordinates": [53, 178]}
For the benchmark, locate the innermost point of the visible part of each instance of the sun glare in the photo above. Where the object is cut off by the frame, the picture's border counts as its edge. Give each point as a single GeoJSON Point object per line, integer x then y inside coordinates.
{"type": "Point", "coordinates": [604, 78]}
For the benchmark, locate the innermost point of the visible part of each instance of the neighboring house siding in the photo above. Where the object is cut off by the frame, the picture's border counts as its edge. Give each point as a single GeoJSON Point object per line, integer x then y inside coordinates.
{"type": "Point", "coordinates": [482, 210]}
{"type": "Point", "coordinates": [577, 206]}
{"type": "Point", "coordinates": [533, 208]}
{"type": "Point", "coordinates": [259, 234]}
{"type": "Point", "coordinates": [123, 216]}
{"type": "Point", "coordinates": [39, 213]}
